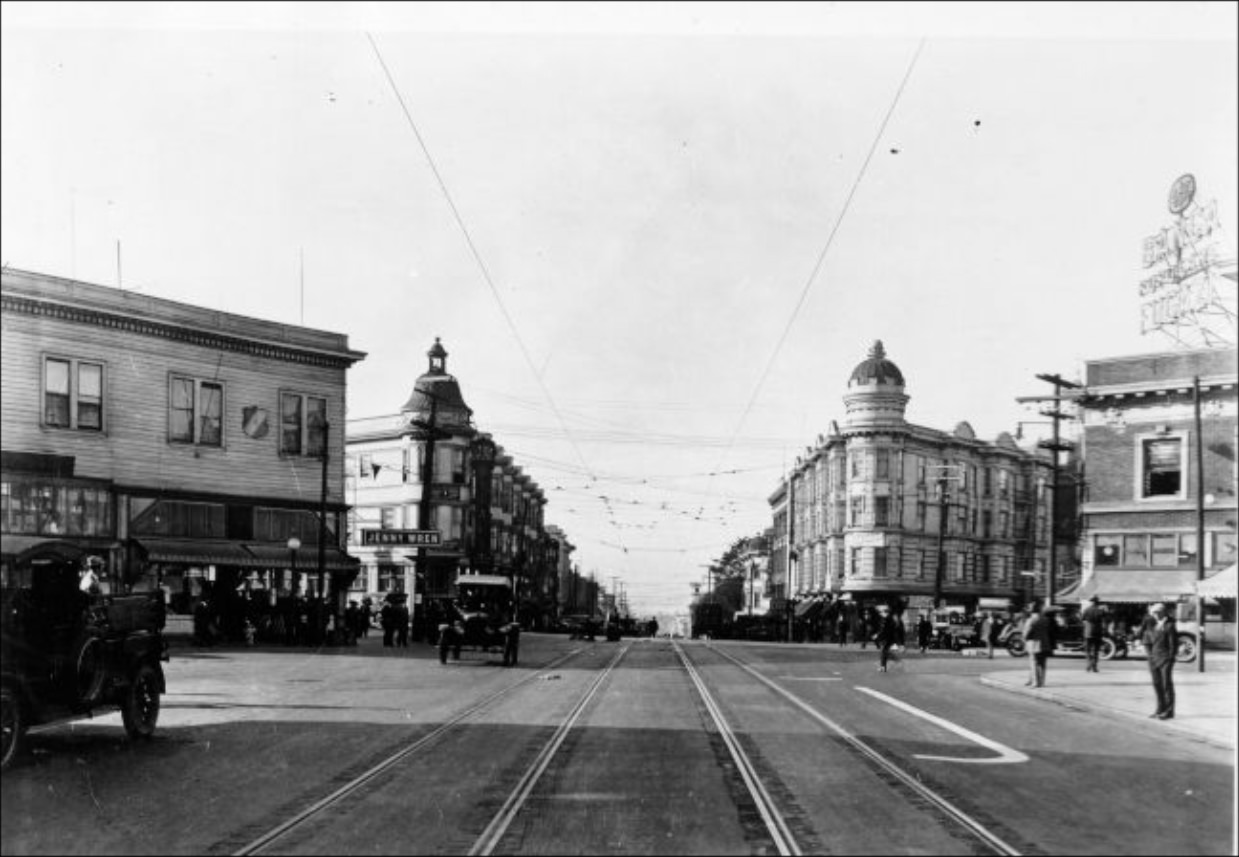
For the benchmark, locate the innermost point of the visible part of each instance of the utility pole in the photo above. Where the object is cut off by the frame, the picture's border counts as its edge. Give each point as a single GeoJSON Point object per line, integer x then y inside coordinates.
{"type": "Point", "coordinates": [947, 473]}
{"type": "Point", "coordinates": [328, 599]}
{"type": "Point", "coordinates": [1055, 446]}
{"type": "Point", "coordinates": [1200, 524]}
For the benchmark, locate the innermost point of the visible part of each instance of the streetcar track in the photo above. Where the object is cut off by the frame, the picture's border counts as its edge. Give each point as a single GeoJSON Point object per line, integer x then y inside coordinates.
{"type": "Point", "coordinates": [892, 772]}
{"type": "Point", "coordinates": [352, 784]}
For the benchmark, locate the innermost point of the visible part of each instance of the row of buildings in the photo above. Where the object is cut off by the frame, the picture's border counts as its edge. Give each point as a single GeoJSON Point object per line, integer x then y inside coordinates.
{"type": "Point", "coordinates": [880, 509]}
{"type": "Point", "coordinates": [193, 449]}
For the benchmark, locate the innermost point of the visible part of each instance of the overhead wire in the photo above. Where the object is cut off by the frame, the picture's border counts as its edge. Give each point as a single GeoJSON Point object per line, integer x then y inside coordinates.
{"type": "Point", "coordinates": [477, 256]}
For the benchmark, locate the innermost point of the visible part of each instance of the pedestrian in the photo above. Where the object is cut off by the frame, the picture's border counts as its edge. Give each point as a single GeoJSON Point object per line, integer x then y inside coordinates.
{"type": "Point", "coordinates": [202, 623]}
{"type": "Point", "coordinates": [841, 628]}
{"type": "Point", "coordinates": [1093, 620]}
{"type": "Point", "coordinates": [402, 625]}
{"type": "Point", "coordinates": [1039, 642]}
{"type": "Point", "coordinates": [367, 613]}
{"type": "Point", "coordinates": [1161, 643]}
{"type": "Point", "coordinates": [924, 631]}
{"type": "Point", "coordinates": [885, 634]}
{"type": "Point", "coordinates": [387, 618]}
{"type": "Point", "coordinates": [860, 630]}
{"type": "Point", "coordinates": [985, 633]}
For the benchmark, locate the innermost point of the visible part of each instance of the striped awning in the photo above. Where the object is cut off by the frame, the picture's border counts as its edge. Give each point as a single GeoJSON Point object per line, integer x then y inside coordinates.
{"type": "Point", "coordinates": [196, 552]}
{"type": "Point", "coordinates": [1124, 586]}
{"type": "Point", "coordinates": [1223, 584]}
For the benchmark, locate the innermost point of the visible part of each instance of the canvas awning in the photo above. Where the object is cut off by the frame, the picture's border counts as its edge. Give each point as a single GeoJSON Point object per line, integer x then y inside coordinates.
{"type": "Point", "coordinates": [1220, 585]}
{"type": "Point", "coordinates": [483, 580]}
{"type": "Point", "coordinates": [279, 556]}
{"type": "Point", "coordinates": [808, 608]}
{"type": "Point", "coordinates": [1122, 586]}
{"type": "Point", "coordinates": [195, 552]}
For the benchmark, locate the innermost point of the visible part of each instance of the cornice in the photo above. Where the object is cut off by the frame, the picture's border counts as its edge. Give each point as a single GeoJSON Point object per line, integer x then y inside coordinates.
{"type": "Point", "coordinates": [11, 303]}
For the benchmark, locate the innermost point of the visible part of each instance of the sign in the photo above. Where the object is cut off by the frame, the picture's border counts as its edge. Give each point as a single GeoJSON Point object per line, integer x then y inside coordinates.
{"type": "Point", "coordinates": [1180, 294]}
{"type": "Point", "coordinates": [400, 537]}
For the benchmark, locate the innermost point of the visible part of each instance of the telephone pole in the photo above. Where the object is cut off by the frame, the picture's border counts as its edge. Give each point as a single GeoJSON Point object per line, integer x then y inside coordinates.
{"type": "Point", "coordinates": [1055, 446]}
{"type": "Point", "coordinates": [947, 473]}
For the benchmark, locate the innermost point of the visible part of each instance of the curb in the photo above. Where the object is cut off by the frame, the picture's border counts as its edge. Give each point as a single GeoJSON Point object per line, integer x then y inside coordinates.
{"type": "Point", "coordinates": [1076, 704]}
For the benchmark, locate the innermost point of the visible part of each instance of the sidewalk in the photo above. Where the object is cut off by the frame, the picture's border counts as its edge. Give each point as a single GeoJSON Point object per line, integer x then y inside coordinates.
{"type": "Point", "coordinates": [1205, 703]}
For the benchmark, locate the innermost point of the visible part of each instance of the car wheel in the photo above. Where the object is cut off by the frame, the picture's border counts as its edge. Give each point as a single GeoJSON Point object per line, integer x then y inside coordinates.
{"type": "Point", "coordinates": [1015, 647]}
{"type": "Point", "coordinates": [13, 724]}
{"type": "Point", "coordinates": [1187, 649]}
{"type": "Point", "coordinates": [140, 708]}
{"type": "Point", "coordinates": [1108, 649]}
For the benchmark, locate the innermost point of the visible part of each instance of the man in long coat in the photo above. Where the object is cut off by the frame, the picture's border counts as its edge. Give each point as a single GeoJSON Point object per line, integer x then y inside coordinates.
{"type": "Point", "coordinates": [1161, 642]}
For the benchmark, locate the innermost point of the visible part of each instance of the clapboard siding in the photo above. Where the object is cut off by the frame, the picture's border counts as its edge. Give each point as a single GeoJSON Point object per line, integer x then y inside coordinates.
{"type": "Point", "coordinates": [134, 451]}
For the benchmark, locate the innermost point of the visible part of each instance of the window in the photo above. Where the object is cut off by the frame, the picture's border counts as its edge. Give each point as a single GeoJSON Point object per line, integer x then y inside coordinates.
{"type": "Point", "coordinates": [1004, 524]}
{"type": "Point", "coordinates": [1003, 482]}
{"type": "Point", "coordinates": [387, 517]}
{"type": "Point", "coordinates": [856, 510]}
{"type": "Point", "coordinates": [53, 507]}
{"type": "Point", "coordinates": [72, 394]}
{"type": "Point", "coordinates": [1106, 550]}
{"type": "Point", "coordinates": [987, 522]}
{"type": "Point", "coordinates": [303, 425]}
{"type": "Point", "coordinates": [883, 463]}
{"type": "Point", "coordinates": [881, 511]}
{"type": "Point", "coordinates": [1187, 550]}
{"type": "Point", "coordinates": [1136, 551]}
{"type": "Point", "coordinates": [987, 487]}
{"type": "Point", "coordinates": [195, 411]}
{"type": "Point", "coordinates": [854, 562]}
{"type": "Point", "coordinates": [1165, 552]}
{"type": "Point", "coordinates": [920, 515]}
{"type": "Point", "coordinates": [879, 562]}
{"type": "Point", "coordinates": [391, 578]}
{"type": "Point", "coordinates": [1162, 467]}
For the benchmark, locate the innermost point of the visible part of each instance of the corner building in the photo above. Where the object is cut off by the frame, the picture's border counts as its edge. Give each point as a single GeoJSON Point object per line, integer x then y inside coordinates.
{"type": "Point", "coordinates": [882, 510]}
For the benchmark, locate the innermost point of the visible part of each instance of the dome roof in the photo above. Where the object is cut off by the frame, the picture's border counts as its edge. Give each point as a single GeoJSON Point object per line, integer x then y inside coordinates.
{"type": "Point", "coordinates": [876, 369]}
{"type": "Point", "coordinates": [436, 387]}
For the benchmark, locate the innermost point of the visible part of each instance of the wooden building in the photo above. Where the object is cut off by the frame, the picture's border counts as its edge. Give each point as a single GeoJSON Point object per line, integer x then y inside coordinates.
{"type": "Point", "coordinates": [180, 444]}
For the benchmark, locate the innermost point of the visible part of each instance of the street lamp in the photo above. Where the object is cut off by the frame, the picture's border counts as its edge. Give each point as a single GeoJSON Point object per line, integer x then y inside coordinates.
{"type": "Point", "coordinates": [294, 545]}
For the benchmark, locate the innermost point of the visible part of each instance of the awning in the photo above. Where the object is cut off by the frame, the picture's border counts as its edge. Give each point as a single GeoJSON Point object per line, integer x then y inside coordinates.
{"type": "Point", "coordinates": [482, 580]}
{"type": "Point", "coordinates": [808, 608]}
{"type": "Point", "coordinates": [1138, 587]}
{"type": "Point", "coordinates": [279, 556]}
{"type": "Point", "coordinates": [1220, 585]}
{"type": "Point", "coordinates": [196, 552]}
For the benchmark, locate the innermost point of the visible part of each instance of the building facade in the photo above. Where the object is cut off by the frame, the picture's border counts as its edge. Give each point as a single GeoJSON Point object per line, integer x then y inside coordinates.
{"type": "Point", "coordinates": [428, 469]}
{"type": "Point", "coordinates": [1153, 478]}
{"type": "Point", "coordinates": [189, 448]}
{"type": "Point", "coordinates": [880, 509]}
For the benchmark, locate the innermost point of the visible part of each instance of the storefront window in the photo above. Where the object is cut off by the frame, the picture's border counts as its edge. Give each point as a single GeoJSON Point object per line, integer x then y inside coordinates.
{"type": "Point", "coordinates": [55, 508]}
{"type": "Point", "coordinates": [1107, 550]}
{"type": "Point", "coordinates": [1136, 551]}
{"type": "Point", "coordinates": [1165, 550]}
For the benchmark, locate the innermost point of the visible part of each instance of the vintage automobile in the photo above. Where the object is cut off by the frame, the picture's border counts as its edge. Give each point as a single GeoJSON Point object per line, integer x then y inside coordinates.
{"type": "Point", "coordinates": [954, 629]}
{"type": "Point", "coordinates": [1068, 637]}
{"type": "Point", "coordinates": [478, 618]}
{"type": "Point", "coordinates": [67, 650]}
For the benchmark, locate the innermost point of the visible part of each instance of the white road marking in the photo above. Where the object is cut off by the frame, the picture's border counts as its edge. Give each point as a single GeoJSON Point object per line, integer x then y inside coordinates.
{"type": "Point", "coordinates": [1005, 755]}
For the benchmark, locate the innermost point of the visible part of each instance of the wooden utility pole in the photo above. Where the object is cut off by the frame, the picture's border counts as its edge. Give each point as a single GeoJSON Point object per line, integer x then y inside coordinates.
{"type": "Point", "coordinates": [1055, 446]}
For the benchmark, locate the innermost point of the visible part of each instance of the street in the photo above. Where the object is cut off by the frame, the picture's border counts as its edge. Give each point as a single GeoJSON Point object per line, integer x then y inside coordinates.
{"type": "Point", "coordinates": [637, 747]}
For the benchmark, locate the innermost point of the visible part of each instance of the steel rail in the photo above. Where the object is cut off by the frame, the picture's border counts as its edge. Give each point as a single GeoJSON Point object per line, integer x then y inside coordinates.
{"type": "Point", "coordinates": [489, 840]}
{"type": "Point", "coordinates": [974, 827]}
{"type": "Point", "coordinates": [784, 841]}
{"type": "Point", "coordinates": [358, 782]}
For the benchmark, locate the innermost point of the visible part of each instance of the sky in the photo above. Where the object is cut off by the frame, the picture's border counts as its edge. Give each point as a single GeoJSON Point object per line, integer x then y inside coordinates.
{"type": "Point", "coordinates": [655, 239]}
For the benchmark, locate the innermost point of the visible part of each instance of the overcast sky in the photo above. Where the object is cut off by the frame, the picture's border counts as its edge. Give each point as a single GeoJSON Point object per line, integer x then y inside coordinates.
{"type": "Point", "coordinates": [618, 229]}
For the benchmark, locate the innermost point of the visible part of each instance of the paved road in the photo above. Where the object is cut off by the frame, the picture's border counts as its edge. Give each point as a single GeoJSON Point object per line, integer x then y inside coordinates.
{"type": "Point", "coordinates": [605, 748]}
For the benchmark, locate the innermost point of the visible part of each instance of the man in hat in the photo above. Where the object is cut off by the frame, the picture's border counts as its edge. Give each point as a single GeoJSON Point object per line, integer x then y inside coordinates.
{"type": "Point", "coordinates": [1161, 642]}
{"type": "Point", "coordinates": [1094, 620]}
{"type": "Point", "coordinates": [886, 633]}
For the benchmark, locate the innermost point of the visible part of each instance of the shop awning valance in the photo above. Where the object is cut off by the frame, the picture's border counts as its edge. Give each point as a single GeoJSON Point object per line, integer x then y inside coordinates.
{"type": "Point", "coordinates": [1138, 587]}
{"type": "Point", "coordinates": [195, 552]}
{"type": "Point", "coordinates": [808, 608]}
{"type": "Point", "coordinates": [1221, 585]}
{"type": "Point", "coordinates": [279, 556]}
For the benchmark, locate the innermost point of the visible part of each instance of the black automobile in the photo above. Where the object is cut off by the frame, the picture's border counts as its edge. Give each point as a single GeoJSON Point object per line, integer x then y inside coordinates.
{"type": "Point", "coordinates": [68, 650]}
{"type": "Point", "coordinates": [1069, 637]}
{"type": "Point", "coordinates": [479, 618]}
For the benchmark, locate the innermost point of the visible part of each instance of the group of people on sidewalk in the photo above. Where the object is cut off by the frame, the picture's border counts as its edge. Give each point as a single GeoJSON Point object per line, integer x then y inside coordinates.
{"type": "Point", "coordinates": [1158, 635]}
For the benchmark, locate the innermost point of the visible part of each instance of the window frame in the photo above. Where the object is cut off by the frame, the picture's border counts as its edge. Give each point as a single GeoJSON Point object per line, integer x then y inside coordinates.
{"type": "Point", "coordinates": [196, 415]}
{"type": "Point", "coordinates": [303, 431]}
{"type": "Point", "coordinates": [1141, 472]}
{"type": "Point", "coordinates": [74, 394]}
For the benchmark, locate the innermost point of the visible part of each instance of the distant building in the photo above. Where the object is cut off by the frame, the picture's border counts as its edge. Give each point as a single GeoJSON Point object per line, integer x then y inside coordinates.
{"type": "Point", "coordinates": [880, 509]}
{"type": "Point", "coordinates": [184, 445]}
{"type": "Point", "coordinates": [1140, 448]}
{"type": "Point", "coordinates": [484, 512]}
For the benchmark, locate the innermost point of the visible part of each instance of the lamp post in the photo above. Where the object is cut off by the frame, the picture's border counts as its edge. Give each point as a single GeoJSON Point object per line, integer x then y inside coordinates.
{"type": "Point", "coordinates": [294, 545]}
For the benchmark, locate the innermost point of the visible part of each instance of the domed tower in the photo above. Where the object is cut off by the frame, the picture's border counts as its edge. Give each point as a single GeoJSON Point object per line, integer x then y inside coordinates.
{"type": "Point", "coordinates": [875, 397]}
{"type": "Point", "coordinates": [438, 390]}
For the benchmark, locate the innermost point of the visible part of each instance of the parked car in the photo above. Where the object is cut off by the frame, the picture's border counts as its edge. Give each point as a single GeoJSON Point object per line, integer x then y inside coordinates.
{"type": "Point", "coordinates": [68, 650]}
{"type": "Point", "coordinates": [479, 618]}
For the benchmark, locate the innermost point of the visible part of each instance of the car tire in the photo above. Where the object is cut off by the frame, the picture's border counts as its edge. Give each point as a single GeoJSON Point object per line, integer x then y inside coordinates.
{"type": "Point", "coordinates": [140, 707]}
{"type": "Point", "coordinates": [1016, 647]}
{"type": "Point", "coordinates": [1108, 649]}
{"type": "Point", "coordinates": [12, 726]}
{"type": "Point", "coordinates": [1186, 653]}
